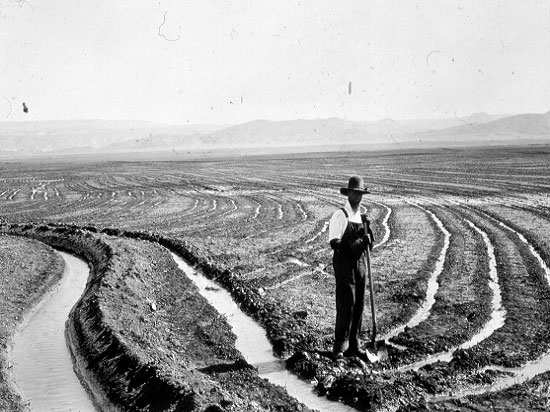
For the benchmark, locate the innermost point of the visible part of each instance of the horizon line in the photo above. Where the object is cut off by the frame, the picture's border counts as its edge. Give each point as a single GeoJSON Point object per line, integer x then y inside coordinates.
{"type": "Point", "coordinates": [156, 122]}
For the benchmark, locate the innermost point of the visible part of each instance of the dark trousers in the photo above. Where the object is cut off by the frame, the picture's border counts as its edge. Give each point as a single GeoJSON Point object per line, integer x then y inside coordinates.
{"type": "Point", "coordinates": [350, 300]}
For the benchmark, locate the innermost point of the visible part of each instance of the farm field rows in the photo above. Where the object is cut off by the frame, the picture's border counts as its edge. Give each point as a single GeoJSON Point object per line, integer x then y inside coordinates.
{"type": "Point", "coordinates": [460, 260]}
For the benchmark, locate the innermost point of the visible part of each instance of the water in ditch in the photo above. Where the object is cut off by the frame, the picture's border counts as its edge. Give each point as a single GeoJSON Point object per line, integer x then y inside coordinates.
{"type": "Point", "coordinates": [433, 283]}
{"type": "Point", "coordinates": [42, 366]}
{"type": "Point", "coordinates": [498, 312]}
{"type": "Point", "coordinates": [525, 372]}
{"type": "Point", "coordinates": [252, 342]}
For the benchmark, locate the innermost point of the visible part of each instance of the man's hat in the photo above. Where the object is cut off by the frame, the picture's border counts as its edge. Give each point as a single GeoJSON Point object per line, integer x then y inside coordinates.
{"type": "Point", "coordinates": [355, 184]}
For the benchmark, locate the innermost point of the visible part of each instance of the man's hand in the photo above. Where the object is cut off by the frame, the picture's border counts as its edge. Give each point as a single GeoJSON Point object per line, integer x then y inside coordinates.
{"type": "Point", "coordinates": [368, 236]}
{"type": "Point", "coordinates": [336, 244]}
{"type": "Point", "coordinates": [367, 242]}
{"type": "Point", "coordinates": [358, 247]}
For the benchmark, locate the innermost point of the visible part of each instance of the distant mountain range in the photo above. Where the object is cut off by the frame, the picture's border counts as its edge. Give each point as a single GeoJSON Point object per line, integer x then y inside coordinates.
{"type": "Point", "coordinates": [97, 136]}
{"type": "Point", "coordinates": [83, 136]}
{"type": "Point", "coordinates": [510, 127]}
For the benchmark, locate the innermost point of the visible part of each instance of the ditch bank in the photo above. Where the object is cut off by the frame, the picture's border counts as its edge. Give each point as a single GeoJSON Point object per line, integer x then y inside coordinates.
{"type": "Point", "coordinates": [144, 346]}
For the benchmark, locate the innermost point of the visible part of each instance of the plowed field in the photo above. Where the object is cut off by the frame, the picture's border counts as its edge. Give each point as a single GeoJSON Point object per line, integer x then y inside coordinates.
{"type": "Point", "coordinates": [460, 262]}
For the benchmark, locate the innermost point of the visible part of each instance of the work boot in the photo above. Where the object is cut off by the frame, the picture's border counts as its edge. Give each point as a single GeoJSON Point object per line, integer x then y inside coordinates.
{"type": "Point", "coordinates": [339, 348]}
{"type": "Point", "coordinates": [337, 355]}
{"type": "Point", "coordinates": [360, 353]}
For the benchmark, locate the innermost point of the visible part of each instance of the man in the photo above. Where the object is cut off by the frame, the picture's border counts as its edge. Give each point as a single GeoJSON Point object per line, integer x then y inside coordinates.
{"type": "Point", "coordinates": [350, 236]}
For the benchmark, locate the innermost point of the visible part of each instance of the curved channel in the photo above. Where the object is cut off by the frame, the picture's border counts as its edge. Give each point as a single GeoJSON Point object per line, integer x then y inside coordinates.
{"type": "Point", "coordinates": [498, 312]}
{"type": "Point", "coordinates": [520, 374]}
{"type": "Point", "coordinates": [42, 365]}
{"type": "Point", "coordinates": [252, 342]}
{"type": "Point", "coordinates": [433, 284]}
{"type": "Point", "coordinates": [385, 224]}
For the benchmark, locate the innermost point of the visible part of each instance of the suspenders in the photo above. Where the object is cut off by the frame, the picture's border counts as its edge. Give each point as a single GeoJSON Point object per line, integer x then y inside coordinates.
{"type": "Point", "coordinates": [366, 223]}
{"type": "Point", "coordinates": [345, 212]}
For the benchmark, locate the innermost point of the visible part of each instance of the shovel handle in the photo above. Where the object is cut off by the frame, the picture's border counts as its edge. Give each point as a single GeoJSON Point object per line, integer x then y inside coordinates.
{"type": "Point", "coordinates": [372, 304]}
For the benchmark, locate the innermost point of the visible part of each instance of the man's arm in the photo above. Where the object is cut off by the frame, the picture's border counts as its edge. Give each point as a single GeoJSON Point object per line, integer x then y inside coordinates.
{"type": "Point", "coordinates": [336, 228]}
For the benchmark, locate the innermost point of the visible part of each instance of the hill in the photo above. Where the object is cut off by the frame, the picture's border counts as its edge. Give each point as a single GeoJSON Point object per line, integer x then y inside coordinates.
{"type": "Point", "coordinates": [293, 133]}
{"type": "Point", "coordinates": [517, 127]}
{"type": "Point", "coordinates": [82, 136]}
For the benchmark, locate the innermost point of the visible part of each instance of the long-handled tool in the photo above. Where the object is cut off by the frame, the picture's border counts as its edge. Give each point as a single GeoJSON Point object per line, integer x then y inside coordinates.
{"type": "Point", "coordinates": [378, 350]}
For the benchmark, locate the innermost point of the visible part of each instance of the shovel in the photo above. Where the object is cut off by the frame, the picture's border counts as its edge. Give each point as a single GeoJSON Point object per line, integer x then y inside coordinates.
{"type": "Point", "coordinates": [377, 350]}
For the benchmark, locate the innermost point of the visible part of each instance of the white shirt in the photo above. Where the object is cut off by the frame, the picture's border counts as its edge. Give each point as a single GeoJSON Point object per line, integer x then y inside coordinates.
{"type": "Point", "coordinates": [338, 222]}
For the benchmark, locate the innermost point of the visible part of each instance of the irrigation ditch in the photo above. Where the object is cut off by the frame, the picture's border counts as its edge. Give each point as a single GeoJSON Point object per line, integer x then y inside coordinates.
{"type": "Point", "coordinates": [42, 363]}
{"type": "Point", "coordinates": [124, 376]}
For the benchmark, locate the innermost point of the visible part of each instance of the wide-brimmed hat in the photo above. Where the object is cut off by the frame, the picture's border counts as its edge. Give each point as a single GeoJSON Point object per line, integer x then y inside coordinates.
{"type": "Point", "coordinates": [355, 184]}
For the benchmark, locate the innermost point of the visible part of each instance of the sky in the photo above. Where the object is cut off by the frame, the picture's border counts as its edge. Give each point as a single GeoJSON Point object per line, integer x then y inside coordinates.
{"type": "Point", "coordinates": [229, 62]}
